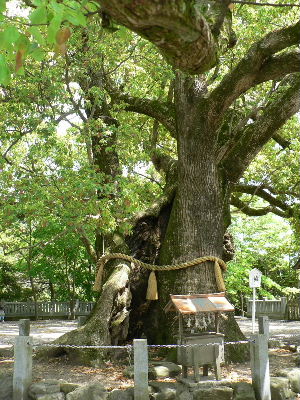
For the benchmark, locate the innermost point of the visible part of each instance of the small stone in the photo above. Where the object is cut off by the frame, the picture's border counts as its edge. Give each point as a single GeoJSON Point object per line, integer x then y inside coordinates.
{"type": "Point", "coordinates": [163, 390]}
{"type": "Point", "coordinates": [66, 387]}
{"type": "Point", "coordinates": [6, 387]}
{"type": "Point", "coordinates": [297, 361]}
{"type": "Point", "coordinates": [243, 391]}
{"type": "Point", "coordinates": [50, 396]}
{"type": "Point", "coordinates": [280, 389]}
{"type": "Point", "coordinates": [293, 375]}
{"type": "Point", "coordinates": [157, 370]}
{"type": "Point", "coordinates": [165, 369]}
{"type": "Point", "coordinates": [44, 387]}
{"type": "Point", "coordinates": [118, 394]}
{"type": "Point", "coordinates": [216, 393]}
{"type": "Point", "coordinates": [185, 396]}
{"type": "Point", "coordinates": [93, 391]}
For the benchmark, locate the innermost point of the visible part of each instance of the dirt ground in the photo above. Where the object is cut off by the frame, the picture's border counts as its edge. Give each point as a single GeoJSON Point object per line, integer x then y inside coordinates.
{"type": "Point", "coordinates": [111, 375]}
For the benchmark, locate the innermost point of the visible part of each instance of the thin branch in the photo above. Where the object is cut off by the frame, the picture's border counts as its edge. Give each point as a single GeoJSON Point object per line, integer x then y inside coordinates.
{"type": "Point", "coordinates": [87, 243]}
{"type": "Point", "coordinates": [261, 192]}
{"type": "Point", "coordinates": [159, 110]}
{"type": "Point", "coordinates": [284, 143]}
{"type": "Point", "coordinates": [67, 80]}
{"type": "Point", "coordinates": [39, 244]}
{"type": "Point", "coordinates": [256, 212]}
{"type": "Point", "coordinates": [149, 178]}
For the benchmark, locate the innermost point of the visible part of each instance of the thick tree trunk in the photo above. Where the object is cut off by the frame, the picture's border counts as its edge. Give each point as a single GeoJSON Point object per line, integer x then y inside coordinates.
{"type": "Point", "coordinates": [193, 228]}
{"type": "Point", "coordinates": [196, 226]}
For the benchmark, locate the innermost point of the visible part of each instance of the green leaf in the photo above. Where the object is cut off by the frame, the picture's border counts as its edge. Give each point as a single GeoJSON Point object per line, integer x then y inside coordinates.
{"type": "Point", "coordinates": [21, 71]}
{"type": "Point", "coordinates": [23, 43]}
{"type": "Point", "coordinates": [58, 8]}
{"type": "Point", "coordinates": [9, 36]}
{"type": "Point", "coordinates": [37, 3]}
{"type": "Point", "coordinates": [39, 15]}
{"type": "Point", "coordinates": [37, 54]}
{"type": "Point", "coordinates": [4, 71]}
{"type": "Point", "coordinates": [75, 17]}
{"type": "Point", "coordinates": [37, 35]}
{"type": "Point", "coordinates": [53, 28]}
{"type": "Point", "coordinates": [2, 5]}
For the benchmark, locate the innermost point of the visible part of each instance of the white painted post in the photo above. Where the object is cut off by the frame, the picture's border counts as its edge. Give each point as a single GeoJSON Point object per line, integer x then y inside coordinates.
{"type": "Point", "coordinates": [260, 361]}
{"type": "Point", "coordinates": [254, 282]}
{"type": "Point", "coordinates": [22, 362]}
{"type": "Point", "coordinates": [140, 369]}
{"type": "Point", "coordinates": [253, 309]}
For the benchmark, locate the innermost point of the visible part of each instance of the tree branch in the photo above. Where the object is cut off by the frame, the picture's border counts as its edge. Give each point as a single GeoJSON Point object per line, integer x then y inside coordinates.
{"type": "Point", "coordinates": [261, 192]}
{"type": "Point", "coordinates": [177, 28]}
{"type": "Point", "coordinates": [240, 152]}
{"type": "Point", "coordinates": [163, 112]}
{"type": "Point", "coordinates": [255, 212]}
{"type": "Point", "coordinates": [257, 66]}
{"type": "Point", "coordinates": [284, 143]}
{"type": "Point", "coordinates": [87, 243]}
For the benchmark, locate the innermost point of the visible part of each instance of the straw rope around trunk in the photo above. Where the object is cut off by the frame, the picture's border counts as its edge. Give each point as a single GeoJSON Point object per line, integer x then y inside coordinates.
{"type": "Point", "coordinates": [152, 285]}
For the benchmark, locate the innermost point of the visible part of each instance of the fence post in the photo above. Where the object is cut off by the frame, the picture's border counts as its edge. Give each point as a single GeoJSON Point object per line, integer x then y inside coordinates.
{"type": "Point", "coordinates": [81, 321]}
{"type": "Point", "coordinates": [22, 361]}
{"type": "Point", "coordinates": [260, 360]}
{"type": "Point", "coordinates": [263, 326]}
{"type": "Point", "coordinates": [140, 369]}
{"type": "Point", "coordinates": [283, 306]}
{"type": "Point", "coordinates": [249, 307]}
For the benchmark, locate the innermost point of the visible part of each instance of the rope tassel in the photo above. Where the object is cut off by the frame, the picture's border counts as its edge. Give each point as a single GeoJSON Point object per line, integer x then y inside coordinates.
{"type": "Point", "coordinates": [219, 277]}
{"type": "Point", "coordinates": [152, 287]}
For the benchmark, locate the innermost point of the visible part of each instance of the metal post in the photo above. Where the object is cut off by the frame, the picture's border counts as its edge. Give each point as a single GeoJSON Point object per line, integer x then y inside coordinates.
{"type": "Point", "coordinates": [23, 362]}
{"type": "Point", "coordinates": [140, 369]}
{"type": "Point", "coordinates": [260, 361]}
{"type": "Point", "coordinates": [253, 309]}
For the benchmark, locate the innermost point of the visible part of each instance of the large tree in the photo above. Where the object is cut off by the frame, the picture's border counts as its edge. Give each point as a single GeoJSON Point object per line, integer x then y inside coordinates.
{"type": "Point", "coordinates": [200, 108]}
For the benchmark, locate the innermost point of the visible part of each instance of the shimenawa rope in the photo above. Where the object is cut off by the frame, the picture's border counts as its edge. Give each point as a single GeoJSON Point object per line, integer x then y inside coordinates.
{"type": "Point", "coordinates": [152, 284]}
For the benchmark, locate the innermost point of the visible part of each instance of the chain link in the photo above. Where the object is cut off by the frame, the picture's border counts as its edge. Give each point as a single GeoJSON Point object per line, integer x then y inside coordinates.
{"type": "Point", "coordinates": [129, 347]}
{"type": "Point", "coordinates": [74, 346]}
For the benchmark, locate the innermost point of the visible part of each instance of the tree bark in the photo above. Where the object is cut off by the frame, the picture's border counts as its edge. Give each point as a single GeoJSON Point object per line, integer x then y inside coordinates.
{"type": "Point", "coordinates": [196, 226]}
{"type": "Point", "coordinates": [107, 325]}
{"type": "Point", "coordinates": [178, 29]}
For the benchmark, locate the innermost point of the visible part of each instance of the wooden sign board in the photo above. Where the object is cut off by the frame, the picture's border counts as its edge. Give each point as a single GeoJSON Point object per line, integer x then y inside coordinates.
{"type": "Point", "coordinates": [255, 278]}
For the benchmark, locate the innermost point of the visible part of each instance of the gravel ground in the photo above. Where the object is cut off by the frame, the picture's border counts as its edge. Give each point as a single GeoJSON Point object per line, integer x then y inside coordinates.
{"type": "Point", "coordinates": [287, 332]}
{"type": "Point", "coordinates": [111, 375]}
{"type": "Point", "coordinates": [43, 331]}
